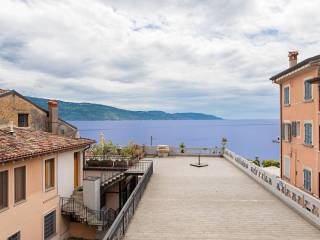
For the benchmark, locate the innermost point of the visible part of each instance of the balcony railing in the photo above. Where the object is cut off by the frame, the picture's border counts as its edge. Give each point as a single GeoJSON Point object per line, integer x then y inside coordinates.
{"type": "Point", "coordinates": [121, 223]}
{"type": "Point", "coordinates": [80, 213]}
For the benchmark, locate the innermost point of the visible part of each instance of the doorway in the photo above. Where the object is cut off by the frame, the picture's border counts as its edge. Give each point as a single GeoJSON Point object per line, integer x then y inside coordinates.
{"type": "Point", "coordinates": [76, 168]}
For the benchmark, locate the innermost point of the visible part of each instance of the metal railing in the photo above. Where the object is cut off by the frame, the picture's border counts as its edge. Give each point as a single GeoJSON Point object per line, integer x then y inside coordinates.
{"type": "Point", "coordinates": [187, 151]}
{"type": "Point", "coordinates": [81, 213]}
{"type": "Point", "coordinates": [121, 223]}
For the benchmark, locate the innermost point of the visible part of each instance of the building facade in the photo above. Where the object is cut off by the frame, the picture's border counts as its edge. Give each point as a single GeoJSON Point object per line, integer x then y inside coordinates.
{"type": "Point", "coordinates": [25, 114]}
{"type": "Point", "coordinates": [299, 115]}
{"type": "Point", "coordinates": [36, 170]}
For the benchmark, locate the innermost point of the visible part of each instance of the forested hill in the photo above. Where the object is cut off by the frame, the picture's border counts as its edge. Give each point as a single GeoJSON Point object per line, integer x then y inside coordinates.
{"type": "Point", "coordinates": [71, 111]}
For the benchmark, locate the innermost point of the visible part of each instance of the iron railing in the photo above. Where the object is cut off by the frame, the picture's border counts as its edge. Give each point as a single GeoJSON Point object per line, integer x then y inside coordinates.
{"type": "Point", "coordinates": [81, 213]}
{"type": "Point", "coordinates": [121, 223]}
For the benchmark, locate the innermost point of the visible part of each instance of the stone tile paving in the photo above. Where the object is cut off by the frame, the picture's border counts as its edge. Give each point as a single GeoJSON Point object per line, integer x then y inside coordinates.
{"type": "Point", "coordinates": [216, 202]}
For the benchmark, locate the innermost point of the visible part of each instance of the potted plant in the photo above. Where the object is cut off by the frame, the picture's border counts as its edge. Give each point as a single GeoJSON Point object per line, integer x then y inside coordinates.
{"type": "Point", "coordinates": [224, 142]}
{"type": "Point", "coordinates": [182, 147]}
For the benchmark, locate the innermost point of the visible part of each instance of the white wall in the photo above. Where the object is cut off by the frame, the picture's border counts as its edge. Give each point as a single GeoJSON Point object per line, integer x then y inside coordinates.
{"type": "Point", "coordinates": [66, 173]}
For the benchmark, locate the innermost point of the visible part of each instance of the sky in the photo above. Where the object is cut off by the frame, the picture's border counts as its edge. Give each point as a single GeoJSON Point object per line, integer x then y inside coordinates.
{"type": "Point", "coordinates": [209, 56]}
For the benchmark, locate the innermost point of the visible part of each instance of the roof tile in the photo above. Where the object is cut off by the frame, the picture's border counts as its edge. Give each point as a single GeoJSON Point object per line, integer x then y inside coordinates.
{"type": "Point", "coordinates": [26, 143]}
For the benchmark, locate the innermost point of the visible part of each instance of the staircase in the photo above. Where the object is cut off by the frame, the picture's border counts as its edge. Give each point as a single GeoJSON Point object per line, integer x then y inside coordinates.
{"type": "Point", "coordinates": [74, 208]}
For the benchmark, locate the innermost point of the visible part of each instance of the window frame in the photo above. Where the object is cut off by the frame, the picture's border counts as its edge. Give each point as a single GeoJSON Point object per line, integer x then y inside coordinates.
{"type": "Point", "coordinates": [306, 169]}
{"type": "Point", "coordinates": [52, 175]}
{"type": "Point", "coordinates": [284, 95]}
{"type": "Point", "coordinates": [25, 185]}
{"type": "Point", "coordinates": [7, 198]}
{"type": "Point", "coordinates": [304, 90]}
{"type": "Point", "coordinates": [287, 135]}
{"type": "Point", "coordinates": [304, 131]}
{"type": "Point", "coordinates": [55, 224]}
{"type": "Point", "coordinates": [26, 122]}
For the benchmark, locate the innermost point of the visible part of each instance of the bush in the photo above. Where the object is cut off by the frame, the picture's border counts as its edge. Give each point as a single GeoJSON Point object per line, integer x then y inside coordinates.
{"type": "Point", "coordinates": [256, 162]}
{"type": "Point", "coordinates": [270, 163]}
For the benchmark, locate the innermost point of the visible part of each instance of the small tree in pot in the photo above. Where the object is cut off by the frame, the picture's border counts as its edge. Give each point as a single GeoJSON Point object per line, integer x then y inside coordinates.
{"type": "Point", "coordinates": [182, 147]}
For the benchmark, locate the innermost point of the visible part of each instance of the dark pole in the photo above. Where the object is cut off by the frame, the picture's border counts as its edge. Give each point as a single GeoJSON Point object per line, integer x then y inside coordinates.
{"type": "Point", "coordinates": [151, 140]}
{"type": "Point", "coordinates": [199, 159]}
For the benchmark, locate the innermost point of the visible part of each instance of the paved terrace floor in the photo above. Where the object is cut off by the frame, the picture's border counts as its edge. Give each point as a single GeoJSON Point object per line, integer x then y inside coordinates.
{"type": "Point", "coordinates": [215, 202]}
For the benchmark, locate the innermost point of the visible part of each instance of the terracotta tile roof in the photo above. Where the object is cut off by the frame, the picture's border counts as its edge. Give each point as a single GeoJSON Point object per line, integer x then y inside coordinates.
{"type": "Point", "coordinates": [3, 91]}
{"type": "Point", "coordinates": [26, 144]}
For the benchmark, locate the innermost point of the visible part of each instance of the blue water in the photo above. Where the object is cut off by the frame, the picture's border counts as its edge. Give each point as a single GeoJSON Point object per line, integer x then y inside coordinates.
{"type": "Point", "coordinates": [249, 138]}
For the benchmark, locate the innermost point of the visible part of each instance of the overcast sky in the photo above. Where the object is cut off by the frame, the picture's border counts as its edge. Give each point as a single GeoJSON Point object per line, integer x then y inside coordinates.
{"type": "Point", "coordinates": [210, 56]}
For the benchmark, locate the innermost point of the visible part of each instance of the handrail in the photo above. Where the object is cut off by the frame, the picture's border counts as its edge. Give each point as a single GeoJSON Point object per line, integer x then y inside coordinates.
{"type": "Point", "coordinates": [121, 223]}
{"type": "Point", "coordinates": [85, 214]}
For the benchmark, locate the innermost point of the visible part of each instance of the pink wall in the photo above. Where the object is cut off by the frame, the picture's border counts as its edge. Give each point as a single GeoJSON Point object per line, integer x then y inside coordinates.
{"type": "Point", "coordinates": [302, 156]}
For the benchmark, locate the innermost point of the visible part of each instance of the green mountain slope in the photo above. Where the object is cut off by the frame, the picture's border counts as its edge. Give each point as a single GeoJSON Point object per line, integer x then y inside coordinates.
{"type": "Point", "coordinates": [93, 112]}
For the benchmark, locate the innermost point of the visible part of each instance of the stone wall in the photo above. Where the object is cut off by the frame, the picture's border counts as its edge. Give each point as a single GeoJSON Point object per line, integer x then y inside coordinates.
{"type": "Point", "coordinates": [11, 105]}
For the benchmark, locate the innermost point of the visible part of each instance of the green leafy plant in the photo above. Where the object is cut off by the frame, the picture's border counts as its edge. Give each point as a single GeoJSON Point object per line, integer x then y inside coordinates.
{"type": "Point", "coordinates": [256, 162]}
{"type": "Point", "coordinates": [182, 147]}
{"type": "Point", "coordinates": [270, 163]}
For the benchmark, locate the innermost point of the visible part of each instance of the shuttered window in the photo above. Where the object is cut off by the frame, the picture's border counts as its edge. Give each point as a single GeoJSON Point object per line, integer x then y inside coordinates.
{"type": "Point", "coordinates": [49, 173]}
{"type": "Point", "coordinates": [286, 132]}
{"type": "Point", "coordinates": [307, 180]}
{"type": "Point", "coordinates": [50, 225]}
{"type": "Point", "coordinates": [295, 129]}
{"type": "Point", "coordinates": [307, 90]}
{"type": "Point", "coordinates": [15, 236]}
{"type": "Point", "coordinates": [286, 172]}
{"type": "Point", "coordinates": [19, 184]}
{"type": "Point", "coordinates": [286, 98]}
{"type": "Point", "coordinates": [308, 133]}
{"type": "Point", "coordinates": [3, 189]}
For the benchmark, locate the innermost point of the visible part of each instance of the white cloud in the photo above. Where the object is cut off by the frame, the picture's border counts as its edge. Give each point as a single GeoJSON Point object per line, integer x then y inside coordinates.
{"type": "Point", "coordinates": [207, 56]}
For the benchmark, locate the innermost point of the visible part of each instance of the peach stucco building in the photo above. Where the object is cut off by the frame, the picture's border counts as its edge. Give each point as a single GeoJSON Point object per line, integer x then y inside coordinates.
{"type": "Point", "coordinates": [299, 114]}
{"type": "Point", "coordinates": [36, 169]}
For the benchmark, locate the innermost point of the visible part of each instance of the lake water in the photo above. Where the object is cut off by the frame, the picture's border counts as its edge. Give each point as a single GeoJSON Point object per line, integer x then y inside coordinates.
{"type": "Point", "coordinates": [248, 138]}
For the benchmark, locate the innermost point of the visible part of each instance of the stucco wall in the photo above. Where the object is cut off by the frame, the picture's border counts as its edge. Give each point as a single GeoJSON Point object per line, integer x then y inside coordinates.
{"type": "Point", "coordinates": [65, 173]}
{"type": "Point", "coordinates": [302, 156]}
{"type": "Point", "coordinates": [27, 216]}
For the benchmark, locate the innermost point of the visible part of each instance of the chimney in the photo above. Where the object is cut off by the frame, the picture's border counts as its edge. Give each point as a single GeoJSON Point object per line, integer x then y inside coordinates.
{"type": "Point", "coordinates": [53, 116]}
{"type": "Point", "coordinates": [293, 58]}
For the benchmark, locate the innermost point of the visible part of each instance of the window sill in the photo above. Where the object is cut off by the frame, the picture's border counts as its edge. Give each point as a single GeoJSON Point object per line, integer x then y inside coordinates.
{"type": "Point", "coordinates": [4, 209]}
{"type": "Point", "coordinates": [20, 202]}
{"type": "Point", "coordinates": [308, 145]}
{"type": "Point", "coordinates": [286, 105]}
{"type": "Point", "coordinates": [308, 100]}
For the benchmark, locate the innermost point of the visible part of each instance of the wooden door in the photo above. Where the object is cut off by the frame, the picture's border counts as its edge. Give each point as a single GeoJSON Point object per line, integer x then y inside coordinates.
{"type": "Point", "coordinates": [76, 169]}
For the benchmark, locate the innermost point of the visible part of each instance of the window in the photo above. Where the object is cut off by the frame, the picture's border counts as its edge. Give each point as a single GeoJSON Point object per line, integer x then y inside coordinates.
{"type": "Point", "coordinates": [49, 225]}
{"type": "Point", "coordinates": [307, 180]}
{"type": "Point", "coordinates": [307, 90]}
{"type": "Point", "coordinates": [23, 120]}
{"type": "Point", "coordinates": [49, 174]}
{"type": "Point", "coordinates": [19, 184]}
{"type": "Point", "coordinates": [286, 132]}
{"type": "Point", "coordinates": [286, 171]}
{"type": "Point", "coordinates": [286, 98]}
{"type": "Point", "coordinates": [15, 236]}
{"type": "Point", "coordinates": [296, 129]}
{"type": "Point", "coordinates": [3, 189]}
{"type": "Point", "coordinates": [308, 133]}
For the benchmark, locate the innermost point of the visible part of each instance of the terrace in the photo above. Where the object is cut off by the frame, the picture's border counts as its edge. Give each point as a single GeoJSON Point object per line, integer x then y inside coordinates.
{"type": "Point", "coordinates": [229, 199]}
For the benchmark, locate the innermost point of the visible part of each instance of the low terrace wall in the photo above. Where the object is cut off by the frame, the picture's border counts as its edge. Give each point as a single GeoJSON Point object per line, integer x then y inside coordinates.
{"type": "Point", "coordinates": [174, 151]}
{"type": "Point", "coordinates": [304, 203]}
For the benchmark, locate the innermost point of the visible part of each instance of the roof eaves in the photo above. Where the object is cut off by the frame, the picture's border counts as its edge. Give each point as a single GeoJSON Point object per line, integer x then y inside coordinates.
{"type": "Point", "coordinates": [296, 67]}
